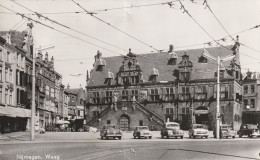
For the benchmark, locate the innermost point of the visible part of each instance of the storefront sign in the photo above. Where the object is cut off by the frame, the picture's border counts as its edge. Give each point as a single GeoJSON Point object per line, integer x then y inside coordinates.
{"type": "Point", "coordinates": [201, 111]}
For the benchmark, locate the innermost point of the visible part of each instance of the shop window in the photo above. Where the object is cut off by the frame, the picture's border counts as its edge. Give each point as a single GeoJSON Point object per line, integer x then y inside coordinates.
{"type": "Point", "coordinates": [154, 94]}
{"type": "Point", "coordinates": [245, 103]}
{"type": "Point", "coordinates": [169, 94]}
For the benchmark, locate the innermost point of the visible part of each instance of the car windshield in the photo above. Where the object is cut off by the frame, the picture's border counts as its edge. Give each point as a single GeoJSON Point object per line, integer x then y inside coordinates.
{"type": "Point", "coordinates": [172, 125]}
{"type": "Point", "coordinates": [143, 128]}
{"type": "Point", "coordinates": [199, 126]}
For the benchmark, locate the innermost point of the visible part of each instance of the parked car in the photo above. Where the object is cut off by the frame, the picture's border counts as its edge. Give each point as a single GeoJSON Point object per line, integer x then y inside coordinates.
{"type": "Point", "coordinates": [249, 130]}
{"type": "Point", "coordinates": [226, 131]}
{"type": "Point", "coordinates": [110, 131]}
{"type": "Point", "coordinates": [142, 131]}
{"type": "Point", "coordinates": [84, 129]}
{"type": "Point", "coordinates": [171, 129]}
{"type": "Point", "coordinates": [198, 130]}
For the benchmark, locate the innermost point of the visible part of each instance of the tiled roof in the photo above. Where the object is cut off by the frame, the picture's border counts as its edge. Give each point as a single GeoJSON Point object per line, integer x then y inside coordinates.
{"type": "Point", "coordinates": [160, 60]}
{"type": "Point", "coordinates": [77, 91]}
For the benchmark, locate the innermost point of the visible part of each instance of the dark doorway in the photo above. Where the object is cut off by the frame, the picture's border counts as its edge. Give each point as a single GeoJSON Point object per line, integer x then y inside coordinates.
{"type": "Point", "coordinates": [124, 123]}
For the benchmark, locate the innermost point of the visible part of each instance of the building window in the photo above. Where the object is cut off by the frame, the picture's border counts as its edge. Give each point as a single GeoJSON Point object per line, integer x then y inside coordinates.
{"type": "Point", "coordinates": [95, 113]}
{"type": "Point", "coordinates": [169, 111]}
{"type": "Point", "coordinates": [10, 76]}
{"type": "Point", "coordinates": [11, 98]}
{"type": "Point", "coordinates": [96, 98]}
{"type": "Point", "coordinates": [108, 121]}
{"type": "Point", "coordinates": [52, 92]}
{"type": "Point", "coordinates": [1, 54]}
{"type": "Point", "coordinates": [108, 98]}
{"type": "Point", "coordinates": [154, 94]}
{"type": "Point", "coordinates": [224, 92]}
{"type": "Point", "coordinates": [245, 89]}
{"type": "Point", "coordinates": [169, 96]}
{"type": "Point", "coordinates": [185, 110]}
{"type": "Point", "coordinates": [245, 103]}
{"type": "Point", "coordinates": [141, 122]}
{"type": "Point", "coordinates": [202, 59]}
{"type": "Point", "coordinates": [252, 88]}
{"type": "Point", "coordinates": [1, 94]}
{"type": "Point", "coordinates": [184, 93]}
{"type": "Point", "coordinates": [6, 96]}
{"type": "Point", "coordinates": [8, 57]}
{"type": "Point", "coordinates": [201, 92]}
{"type": "Point", "coordinates": [1, 75]}
{"type": "Point", "coordinates": [125, 95]}
{"type": "Point", "coordinates": [47, 90]}
{"type": "Point", "coordinates": [185, 76]}
{"type": "Point", "coordinates": [6, 74]}
{"type": "Point", "coordinates": [135, 94]}
{"type": "Point", "coordinates": [252, 103]}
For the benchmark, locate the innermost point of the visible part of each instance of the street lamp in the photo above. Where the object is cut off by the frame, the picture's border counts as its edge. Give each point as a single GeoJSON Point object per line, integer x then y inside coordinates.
{"type": "Point", "coordinates": [219, 60]}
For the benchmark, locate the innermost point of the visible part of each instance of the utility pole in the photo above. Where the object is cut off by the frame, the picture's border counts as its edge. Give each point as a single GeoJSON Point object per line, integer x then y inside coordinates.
{"type": "Point", "coordinates": [217, 114]}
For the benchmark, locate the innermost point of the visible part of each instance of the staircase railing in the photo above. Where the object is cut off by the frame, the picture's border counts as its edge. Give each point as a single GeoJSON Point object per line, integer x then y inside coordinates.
{"type": "Point", "coordinates": [101, 114]}
{"type": "Point", "coordinates": [149, 113]}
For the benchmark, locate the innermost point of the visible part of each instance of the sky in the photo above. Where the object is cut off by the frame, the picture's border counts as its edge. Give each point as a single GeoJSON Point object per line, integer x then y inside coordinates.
{"type": "Point", "coordinates": [152, 25]}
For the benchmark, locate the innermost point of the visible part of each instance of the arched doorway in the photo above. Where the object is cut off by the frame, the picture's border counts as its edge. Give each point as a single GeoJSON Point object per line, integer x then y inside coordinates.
{"type": "Point", "coordinates": [202, 115]}
{"type": "Point", "coordinates": [124, 122]}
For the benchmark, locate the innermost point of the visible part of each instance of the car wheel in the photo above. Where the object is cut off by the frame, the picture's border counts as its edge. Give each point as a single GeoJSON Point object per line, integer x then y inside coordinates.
{"type": "Point", "coordinates": [139, 137]}
{"type": "Point", "coordinates": [206, 137]}
{"type": "Point", "coordinates": [233, 137]}
{"type": "Point", "coordinates": [114, 137]}
{"type": "Point", "coordinates": [167, 137]}
{"type": "Point", "coordinates": [134, 137]}
{"type": "Point", "coordinates": [150, 137]}
{"type": "Point", "coordinates": [240, 136]}
{"type": "Point", "coordinates": [106, 137]}
{"type": "Point", "coordinates": [119, 138]}
{"type": "Point", "coordinates": [181, 137]}
{"type": "Point", "coordinates": [101, 137]}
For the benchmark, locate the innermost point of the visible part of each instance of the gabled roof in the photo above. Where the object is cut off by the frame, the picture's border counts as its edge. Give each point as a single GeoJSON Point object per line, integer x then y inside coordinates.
{"type": "Point", "coordinates": [160, 60]}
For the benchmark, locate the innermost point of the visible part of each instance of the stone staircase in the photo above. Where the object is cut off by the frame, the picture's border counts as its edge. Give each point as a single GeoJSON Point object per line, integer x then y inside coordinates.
{"type": "Point", "coordinates": [149, 113]}
{"type": "Point", "coordinates": [101, 114]}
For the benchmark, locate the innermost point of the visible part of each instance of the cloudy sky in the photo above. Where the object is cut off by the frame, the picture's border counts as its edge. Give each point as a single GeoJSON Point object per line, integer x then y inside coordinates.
{"type": "Point", "coordinates": [151, 25]}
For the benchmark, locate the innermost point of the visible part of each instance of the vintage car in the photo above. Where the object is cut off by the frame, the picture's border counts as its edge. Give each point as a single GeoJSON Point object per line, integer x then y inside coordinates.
{"type": "Point", "coordinates": [226, 131]}
{"type": "Point", "coordinates": [198, 130]}
{"type": "Point", "coordinates": [110, 131]}
{"type": "Point", "coordinates": [171, 129]}
{"type": "Point", "coordinates": [142, 131]}
{"type": "Point", "coordinates": [250, 130]}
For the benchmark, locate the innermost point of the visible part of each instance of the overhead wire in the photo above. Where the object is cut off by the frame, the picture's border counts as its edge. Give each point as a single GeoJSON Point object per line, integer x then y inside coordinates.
{"type": "Point", "coordinates": [53, 21]}
{"type": "Point", "coordinates": [38, 22]}
{"type": "Point", "coordinates": [101, 20]}
{"type": "Point", "coordinates": [16, 24]}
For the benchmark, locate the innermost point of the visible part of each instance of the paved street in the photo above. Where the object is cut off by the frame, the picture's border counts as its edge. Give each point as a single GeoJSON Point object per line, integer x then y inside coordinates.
{"type": "Point", "coordinates": [82, 145]}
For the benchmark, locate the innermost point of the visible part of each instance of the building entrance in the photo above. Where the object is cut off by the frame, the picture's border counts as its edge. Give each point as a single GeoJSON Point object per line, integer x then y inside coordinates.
{"type": "Point", "coordinates": [124, 123]}
{"type": "Point", "coordinates": [202, 115]}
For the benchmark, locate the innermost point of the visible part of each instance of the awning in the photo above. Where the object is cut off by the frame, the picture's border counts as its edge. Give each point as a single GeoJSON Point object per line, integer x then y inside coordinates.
{"type": "Point", "coordinates": [62, 122]}
{"type": "Point", "coordinates": [14, 112]}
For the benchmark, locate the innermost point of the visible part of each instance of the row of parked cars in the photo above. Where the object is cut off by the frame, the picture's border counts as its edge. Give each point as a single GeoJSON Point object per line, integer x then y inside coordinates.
{"type": "Point", "coordinates": [172, 129]}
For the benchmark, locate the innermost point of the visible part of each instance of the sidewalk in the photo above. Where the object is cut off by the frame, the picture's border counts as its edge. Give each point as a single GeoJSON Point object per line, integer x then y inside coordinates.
{"type": "Point", "coordinates": [14, 135]}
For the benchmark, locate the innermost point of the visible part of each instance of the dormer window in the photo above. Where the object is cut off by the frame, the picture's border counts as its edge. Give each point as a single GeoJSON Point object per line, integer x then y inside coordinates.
{"type": "Point", "coordinates": [172, 58]}
{"type": "Point", "coordinates": [154, 75]}
{"type": "Point", "coordinates": [100, 64]}
{"type": "Point", "coordinates": [203, 59]}
{"type": "Point", "coordinates": [109, 78]}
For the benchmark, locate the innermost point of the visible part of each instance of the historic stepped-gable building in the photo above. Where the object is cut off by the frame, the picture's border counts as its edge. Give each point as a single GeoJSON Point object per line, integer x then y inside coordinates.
{"type": "Point", "coordinates": [150, 89]}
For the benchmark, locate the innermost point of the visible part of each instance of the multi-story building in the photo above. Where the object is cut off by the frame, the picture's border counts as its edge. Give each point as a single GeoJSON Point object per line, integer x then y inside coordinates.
{"type": "Point", "coordinates": [16, 80]}
{"type": "Point", "coordinates": [251, 98]}
{"type": "Point", "coordinates": [76, 106]}
{"type": "Point", "coordinates": [14, 110]}
{"type": "Point", "coordinates": [150, 89]}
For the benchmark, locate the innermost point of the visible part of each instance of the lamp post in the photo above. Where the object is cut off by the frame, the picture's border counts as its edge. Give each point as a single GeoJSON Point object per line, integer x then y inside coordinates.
{"type": "Point", "coordinates": [219, 60]}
